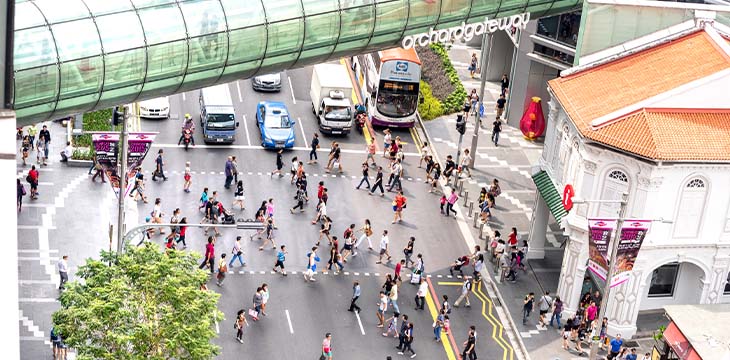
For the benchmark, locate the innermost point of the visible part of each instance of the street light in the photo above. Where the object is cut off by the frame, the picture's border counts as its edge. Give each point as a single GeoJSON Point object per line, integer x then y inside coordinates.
{"type": "Point", "coordinates": [612, 259]}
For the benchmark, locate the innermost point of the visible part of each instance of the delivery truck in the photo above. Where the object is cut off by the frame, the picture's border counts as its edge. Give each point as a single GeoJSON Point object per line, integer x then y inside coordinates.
{"type": "Point", "coordinates": [330, 93]}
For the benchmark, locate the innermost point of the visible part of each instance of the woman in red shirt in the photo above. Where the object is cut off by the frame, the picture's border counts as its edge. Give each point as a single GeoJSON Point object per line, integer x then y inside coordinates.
{"type": "Point", "coordinates": [513, 237]}
{"type": "Point", "coordinates": [398, 204]}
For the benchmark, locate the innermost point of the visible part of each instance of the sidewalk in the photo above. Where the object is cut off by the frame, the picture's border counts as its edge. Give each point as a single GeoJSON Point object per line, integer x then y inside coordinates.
{"type": "Point", "coordinates": [511, 164]}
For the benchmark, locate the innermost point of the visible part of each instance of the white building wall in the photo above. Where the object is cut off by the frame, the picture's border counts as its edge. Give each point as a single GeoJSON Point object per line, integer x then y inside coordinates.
{"type": "Point", "coordinates": [655, 191]}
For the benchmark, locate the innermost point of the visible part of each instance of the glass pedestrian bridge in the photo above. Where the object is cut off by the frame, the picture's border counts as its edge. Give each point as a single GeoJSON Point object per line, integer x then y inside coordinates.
{"type": "Point", "coordinates": [72, 56]}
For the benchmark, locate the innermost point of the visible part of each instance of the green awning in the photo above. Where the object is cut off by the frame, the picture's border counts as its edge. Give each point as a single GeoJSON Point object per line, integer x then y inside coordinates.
{"type": "Point", "coordinates": [550, 194]}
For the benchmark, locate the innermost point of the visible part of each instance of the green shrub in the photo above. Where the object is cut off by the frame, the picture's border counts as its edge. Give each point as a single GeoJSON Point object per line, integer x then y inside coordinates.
{"type": "Point", "coordinates": [83, 154]}
{"type": "Point", "coordinates": [94, 121]}
{"type": "Point", "coordinates": [431, 107]}
{"type": "Point", "coordinates": [455, 101]}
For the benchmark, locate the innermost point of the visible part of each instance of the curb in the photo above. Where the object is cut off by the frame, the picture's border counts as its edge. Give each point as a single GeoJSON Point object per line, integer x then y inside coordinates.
{"type": "Point", "coordinates": [492, 290]}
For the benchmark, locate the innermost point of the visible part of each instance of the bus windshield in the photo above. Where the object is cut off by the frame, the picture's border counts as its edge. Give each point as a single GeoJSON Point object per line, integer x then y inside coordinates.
{"type": "Point", "coordinates": [397, 99]}
{"type": "Point", "coordinates": [221, 122]}
{"type": "Point", "coordinates": [337, 113]}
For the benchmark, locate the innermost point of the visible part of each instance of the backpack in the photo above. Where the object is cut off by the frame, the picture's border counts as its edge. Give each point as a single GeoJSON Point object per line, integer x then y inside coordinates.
{"type": "Point", "coordinates": [29, 179]}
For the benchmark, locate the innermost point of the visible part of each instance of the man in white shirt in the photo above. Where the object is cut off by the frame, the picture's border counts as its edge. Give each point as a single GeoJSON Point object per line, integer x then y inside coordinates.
{"type": "Point", "coordinates": [67, 151]}
{"type": "Point", "coordinates": [384, 247]}
{"type": "Point", "coordinates": [63, 271]}
{"type": "Point", "coordinates": [465, 290]}
{"type": "Point", "coordinates": [421, 294]}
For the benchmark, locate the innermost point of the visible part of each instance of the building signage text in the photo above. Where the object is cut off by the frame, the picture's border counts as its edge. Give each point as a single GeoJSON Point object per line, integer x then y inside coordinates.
{"type": "Point", "coordinates": [466, 31]}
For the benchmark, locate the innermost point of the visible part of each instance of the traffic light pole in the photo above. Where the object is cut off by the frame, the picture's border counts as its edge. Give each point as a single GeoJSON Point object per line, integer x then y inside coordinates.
{"type": "Point", "coordinates": [486, 49]}
{"type": "Point", "coordinates": [122, 179]}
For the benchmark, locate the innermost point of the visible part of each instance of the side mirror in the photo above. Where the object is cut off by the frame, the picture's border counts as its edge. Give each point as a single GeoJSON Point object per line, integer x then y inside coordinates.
{"type": "Point", "coordinates": [237, 123]}
{"type": "Point", "coordinates": [319, 113]}
{"type": "Point", "coordinates": [293, 122]}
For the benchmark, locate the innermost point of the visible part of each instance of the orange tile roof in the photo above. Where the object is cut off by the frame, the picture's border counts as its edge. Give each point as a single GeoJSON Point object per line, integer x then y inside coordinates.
{"type": "Point", "coordinates": [671, 134]}
{"type": "Point", "coordinates": [601, 90]}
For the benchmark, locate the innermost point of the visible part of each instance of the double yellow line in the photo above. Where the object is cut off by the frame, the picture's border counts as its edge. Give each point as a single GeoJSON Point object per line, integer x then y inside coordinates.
{"type": "Point", "coordinates": [497, 329]}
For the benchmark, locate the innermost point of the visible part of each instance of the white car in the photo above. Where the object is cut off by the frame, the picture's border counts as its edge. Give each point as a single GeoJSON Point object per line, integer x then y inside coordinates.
{"type": "Point", "coordinates": [158, 108]}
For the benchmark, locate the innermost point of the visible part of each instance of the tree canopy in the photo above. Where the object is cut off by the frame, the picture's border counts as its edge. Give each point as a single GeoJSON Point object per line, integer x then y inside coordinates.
{"type": "Point", "coordinates": [146, 305]}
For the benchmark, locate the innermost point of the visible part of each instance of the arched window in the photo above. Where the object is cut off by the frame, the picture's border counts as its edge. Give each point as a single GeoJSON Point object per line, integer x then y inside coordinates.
{"type": "Point", "coordinates": [615, 184]}
{"type": "Point", "coordinates": [691, 207]}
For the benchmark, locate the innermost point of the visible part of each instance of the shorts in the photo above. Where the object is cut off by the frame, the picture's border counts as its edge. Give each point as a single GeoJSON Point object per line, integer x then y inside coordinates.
{"type": "Point", "coordinates": [543, 312]}
{"type": "Point", "coordinates": [279, 264]}
{"type": "Point", "coordinates": [382, 251]}
{"type": "Point", "coordinates": [566, 335]}
{"type": "Point", "coordinates": [240, 198]}
{"type": "Point", "coordinates": [347, 246]}
{"type": "Point", "coordinates": [328, 353]}
{"type": "Point", "coordinates": [386, 146]}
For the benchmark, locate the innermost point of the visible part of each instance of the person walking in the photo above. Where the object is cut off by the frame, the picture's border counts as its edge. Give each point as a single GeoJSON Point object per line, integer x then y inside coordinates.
{"type": "Point", "coordinates": [371, 154]}
{"type": "Point", "coordinates": [399, 203]}
{"type": "Point", "coordinates": [387, 138]}
{"type": "Point", "coordinates": [222, 270]}
{"type": "Point", "coordinates": [62, 267]}
{"type": "Point", "coordinates": [234, 162]}
{"type": "Point", "coordinates": [421, 293]}
{"type": "Point", "coordinates": [438, 324]}
{"type": "Point", "coordinates": [20, 192]}
{"type": "Point", "coordinates": [408, 251]}
{"type": "Point", "coordinates": [494, 191]}
{"type": "Point", "coordinates": [183, 231]}
{"type": "Point", "coordinates": [527, 306]}
{"type": "Point", "coordinates": [545, 303]}
{"type": "Point", "coordinates": [99, 171]}
{"type": "Point", "coordinates": [258, 300]}
{"type": "Point", "coordinates": [382, 307]}
{"type": "Point", "coordinates": [237, 253]}
{"type": "Point", "coordinates": [279, 163]}
{"type": "Point", "coordinates": [504, 84]}
{"type": "Point", "coordinates": [365, 176]}
{"type": "Point", "coordinates": [496, 128]}
{"type": "Point", "coordinates": [228, 172]}
{"type": "Point", "coordinates": [367, 232]}
{"type": "Point", "coordinates": [393, 296]}
{"type": "Point", "coordinates": [378, 182]}
{"type": "Point", "coordinates": [466, 288]}
{"type": "Point", "coordinates": [312, 260]}
{"type": "Point", "coordinates": [408, 341]}
{"type": "Point", "coordinates": [469, 345]}
{"type": "Point", "coordinates": [327, 347]}
{"type": "Point", "coordinates": [32, 132]}
{"type": "Point", "coordinates": [450, 201]}
{"type": "Point", "coordinates": [402, 331]}
{"type": "Point", "coordinates": [264, 298]}
{"type": "Point", "coordinates": [356, 292]}
{"type": "Point", "coordinates": [203, 199]}
{"type": "Point", "coordinates": [240, 324]}
{"type": "Point", "coordinates": [499, 107]}
{"type": "Point", "coordinates": [209, 259]}
{"type": "Point", "coordinates": [269, 235]}
{"type": "Point", "coordinates": [187, 177]}
{"type": "Point", "coordinates": [557, 312]}
{"type": "Point", "coordinates": [280, 258]}
{"type": "Point", "coordinates": [396, 174]}
{"type": "Point", "coordinates": [384, 241]}
{"type": "Point", "coordinates": [238, 196]}
{"type": "Point", "coordinates": [46, 135]}
{"type": "Point", "coordinates": [159, 167]}
{"type": "Point", "coordinates": [300, 197]}
{"type": "Point", "coordinates": [464, 163]}
{"type": "Point", "coordinates": [313, 149]}
{"type": "Point", "coordinates": [473, 65]}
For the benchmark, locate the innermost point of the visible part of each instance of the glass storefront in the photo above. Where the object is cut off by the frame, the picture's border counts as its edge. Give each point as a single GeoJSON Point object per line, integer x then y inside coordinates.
{"type": "Point", "coordinates": [562, 28]}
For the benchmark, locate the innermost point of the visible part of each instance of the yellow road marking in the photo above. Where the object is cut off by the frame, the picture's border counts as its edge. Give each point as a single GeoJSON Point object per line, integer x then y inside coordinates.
{"type": "Point", "coordinates": [496, 325]}
{"type": "Point", "coordinates": [444, 339]}
{"type": "Point", "coordinates": [450, 283]}
{"type": "Point", "coordinates": [416, 138]}
{"type": "Point", "coordinates": [365, 131]}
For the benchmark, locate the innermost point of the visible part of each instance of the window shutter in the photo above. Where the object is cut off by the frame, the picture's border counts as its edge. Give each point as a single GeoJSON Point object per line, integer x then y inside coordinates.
{"type": "Point", "coordinates": [689, 214]}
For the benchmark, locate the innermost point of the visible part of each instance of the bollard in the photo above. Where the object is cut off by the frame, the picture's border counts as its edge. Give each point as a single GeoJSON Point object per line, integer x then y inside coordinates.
{"type": "Point", "coordinates": [476, 221]}
{"type": "Point", "coordinates": [466, 197]}
{"type": "Point", "coordinates": [481, 231]}
{"type": "Point", "coordinates": [471, 208]}
{"type": "Point", "coordinates": [461, 186]}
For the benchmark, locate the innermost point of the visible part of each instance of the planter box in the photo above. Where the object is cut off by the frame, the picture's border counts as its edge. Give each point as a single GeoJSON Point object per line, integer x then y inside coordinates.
{"type": "Point", "coordinates": [79, 163]}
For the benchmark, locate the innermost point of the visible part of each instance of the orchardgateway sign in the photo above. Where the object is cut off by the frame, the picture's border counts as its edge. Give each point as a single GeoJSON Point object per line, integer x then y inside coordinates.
{"type": "Point", "coordinates": [466, 31]}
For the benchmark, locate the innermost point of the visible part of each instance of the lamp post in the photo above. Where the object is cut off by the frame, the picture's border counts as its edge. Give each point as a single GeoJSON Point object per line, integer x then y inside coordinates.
{"type": "Point", "coordinates": [122, 178]}
{"type": "Point", "coordinates": [486, 49]}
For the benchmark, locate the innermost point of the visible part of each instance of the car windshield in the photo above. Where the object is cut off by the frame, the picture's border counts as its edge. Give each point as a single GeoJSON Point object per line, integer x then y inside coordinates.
{"type": "Point", "coordinates": [277, 121]}
{"type": "Point", "coordinates": [337, 113]}
{"type": "Point", "coordinates": [221, 121]}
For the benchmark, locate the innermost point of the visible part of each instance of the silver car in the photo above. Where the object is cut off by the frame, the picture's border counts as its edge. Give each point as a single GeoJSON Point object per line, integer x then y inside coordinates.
{"type": "Point", "coordinates": [269, 82]}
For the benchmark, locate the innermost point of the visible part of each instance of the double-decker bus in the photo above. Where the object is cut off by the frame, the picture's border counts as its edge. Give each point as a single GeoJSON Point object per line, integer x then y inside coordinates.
{"type": "Point", "coordinates": [391, 80]}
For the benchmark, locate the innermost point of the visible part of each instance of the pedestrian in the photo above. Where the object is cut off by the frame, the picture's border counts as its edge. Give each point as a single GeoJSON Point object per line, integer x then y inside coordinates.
{"type": "Point", "coordinates": [496, 127]}
{"type": "Point", "coordinates": [237, 253]}
{"type": "Point", "coordinates": [392, 325]}
{"type": "Point", "coordinates": [464, 163]}
{"type": "Point", "coordinates": [187, 176]}
{"type": "Point", "coordinates": [313, 152]}
{"type": "Point", "coordinates": [378, 182]}
{"type": "Point", "coordinates": [279, 164]}
{"type": "Point", "coordinates": [327, 347]}
{"type": "Point", "coordinates": [478, 266]}
{"type": "Point", "coordinates": [544, 304]}
{"type": "Point", "coordinates": [209, 255]}
{"type": "Point", "coordinates": [264, 298]}
{"type": "Point", "coordinates": [395, 176]}
{"type": "Point", "coordinates": [421, 293]}
{"type": "Point", "coordinates": [280, 258]}
{"type": "Point", "coordinates": [203, 199]}
{"type": "Point", "coordinates": [393, 296]}
{"type": "Point", "coordinates": [258, 300]}
{"type": "Point", "coordinates": [382, 307]}
{"type": "Point", "coordinates": [365, 176]}
{"type": "Point", "coordinates": [300, 197]}
{"type": "Point", "coordinates": [466, 288]}
{"type": "Point", "coordinates": [311, 265]}
{"type": "Point", "coordinates": [238, 196]}
{"type": "Point", "coordinates": [615, 347]}
{"type": "Point", "coordinates": [269, 235]}
{"type": "Point", "coordinates": [371, 154]}
{"type": "Point", "coordinates": [527, 306]}
{"type": "Point", "coordinates": [474, 99]}
{"type": "Point", "coordinates": [495, 190]}
{"type": "Point", "coordinates": [367, 232]}
{"type": "Point", "coordinates": [349, 242]}
{"type": "Point", "coordinates": [32, 132]}
{"type": "Point", "coordinates": [25, 148]}
{"type": "Point", "coordinates": [222, 270]}
{"type": "Point", "coordinates": [334, 258]}
{"type": "Point", "coordinates": [40, 151]}
{"type": "Point", "coordinates": [469, 345]}
{"type": "Point", "coordinates": [293, 169]}
{"type": "Point", "coordinates": [449, 168]}
{"type": "Point", "coordinates": [473, 65]}
{"type": "Point", "coordinates": [183, 231]}
{"type": "Point", "coordinates": [499, 107]}
{"type": "Point", "coordinates": [270, 211]}
{"type": "Point", "coordinates": [239, 325]}
{"type": "Point", "coordinates": [401, 332]}
{"type": "Point", "coordinates": [408, 251]}
{"type": "Point", "coordinates": [157, 215]}
{"type": "Point", "coordinates": [435, 175]}
{"type": "Point", "coordinates": [384, 240]}
{"type": "Point", "coordinates": [408, 341]}
{"type": "Point", "coordinates": [445, 304]}
{"type": "Point", "coordinates": [99, 171]}
{"type": "Point", "coordinates": [20, 192]}
{"type": "Point", "coordinates": [438, 324]}
{"type": "Point", "coordinates": [450, 202]}
{"type": "Point", "coordinates": [336, 162]}
{"type": "Point", "coordinates": [397, 271]}
{"type": "Point", "coordinates": [356, 292]}
{"type": "Point", "coordinates": [228, 172]}
{"type": "Point", "coordinates": [159, 169]}
{"type": "Point", "coordinates": [62, 267]}
{"type": "Point", "coordinates": [504, 84]}
{"type": "Point", "coordinates": [399, 203]}
{"type": "Point", "coordinates": [387, 138]}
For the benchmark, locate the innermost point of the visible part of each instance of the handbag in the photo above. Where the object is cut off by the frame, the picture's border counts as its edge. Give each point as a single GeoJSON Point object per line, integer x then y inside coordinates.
{"type": "Point", "coordinates": [253, 313]}
{"type": "Point", "coordinates": [415, 278]}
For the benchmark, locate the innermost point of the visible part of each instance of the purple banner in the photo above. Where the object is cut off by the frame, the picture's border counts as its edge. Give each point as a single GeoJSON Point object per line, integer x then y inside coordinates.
{"type": "Point", "coordinates": [106, 146]}
{"type": "Point", "coordinates": [139, 145]}
{"type": "Point", "coordinates": [633, 233]}
{"type": "Point", "coordinates": [599, 236]}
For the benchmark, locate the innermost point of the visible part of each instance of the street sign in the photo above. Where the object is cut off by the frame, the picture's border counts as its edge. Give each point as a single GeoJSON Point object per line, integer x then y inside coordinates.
{"type": "Point", "coordinates": [568, 194]}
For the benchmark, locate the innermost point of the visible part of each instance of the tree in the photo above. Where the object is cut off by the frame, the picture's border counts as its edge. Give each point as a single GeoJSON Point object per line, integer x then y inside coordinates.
{"type": "Point", "coordinates": [146, 305]}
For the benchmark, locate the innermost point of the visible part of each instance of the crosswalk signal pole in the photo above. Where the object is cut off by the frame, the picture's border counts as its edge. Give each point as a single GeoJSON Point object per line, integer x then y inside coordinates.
{"type": "Point", "coordinates": [486, 49]}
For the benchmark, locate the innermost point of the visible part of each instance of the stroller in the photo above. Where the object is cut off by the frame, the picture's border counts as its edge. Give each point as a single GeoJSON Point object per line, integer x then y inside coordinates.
{"type": "Point", "coordinates": [227, 216]}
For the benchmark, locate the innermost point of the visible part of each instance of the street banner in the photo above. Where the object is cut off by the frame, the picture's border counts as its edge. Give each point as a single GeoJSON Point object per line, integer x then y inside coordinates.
{"type": "Point", "coordinates": [107, 150]}
{"type": "Point", "coordinates": [106, 146]}
{"type": "Point", "coordinates": [599, 235]}
{"type": "Point", "coordinates": [633, 233]}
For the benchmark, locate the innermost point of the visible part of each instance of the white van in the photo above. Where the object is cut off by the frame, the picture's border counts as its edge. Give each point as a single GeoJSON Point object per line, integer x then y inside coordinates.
{"type": "Point", "coordinates": [217, 117]}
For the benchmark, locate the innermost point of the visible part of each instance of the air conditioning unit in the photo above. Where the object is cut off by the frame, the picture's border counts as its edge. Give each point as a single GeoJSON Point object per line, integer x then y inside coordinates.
{"type": "Point", "coordinates": [337, 94]}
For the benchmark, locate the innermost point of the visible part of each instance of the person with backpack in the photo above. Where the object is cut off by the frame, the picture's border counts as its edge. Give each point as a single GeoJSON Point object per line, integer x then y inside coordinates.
{"type": "Point", "coordinates": [32, 179]}
{"type": "Point", "coordinates": [458, 264]}
{"type": "Point", "coordinates": [465, 291]}
{"type": "Point", "coordinates": [239, 324]}
{"type": "Point", "coordinates": [222, 270]}
{"type": "Point", "coordinates": [545, 303]}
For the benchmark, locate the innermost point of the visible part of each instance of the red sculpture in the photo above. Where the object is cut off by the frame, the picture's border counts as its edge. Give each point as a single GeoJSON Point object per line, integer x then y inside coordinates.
{"type": "Point", "coordinates": [532, 123]}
